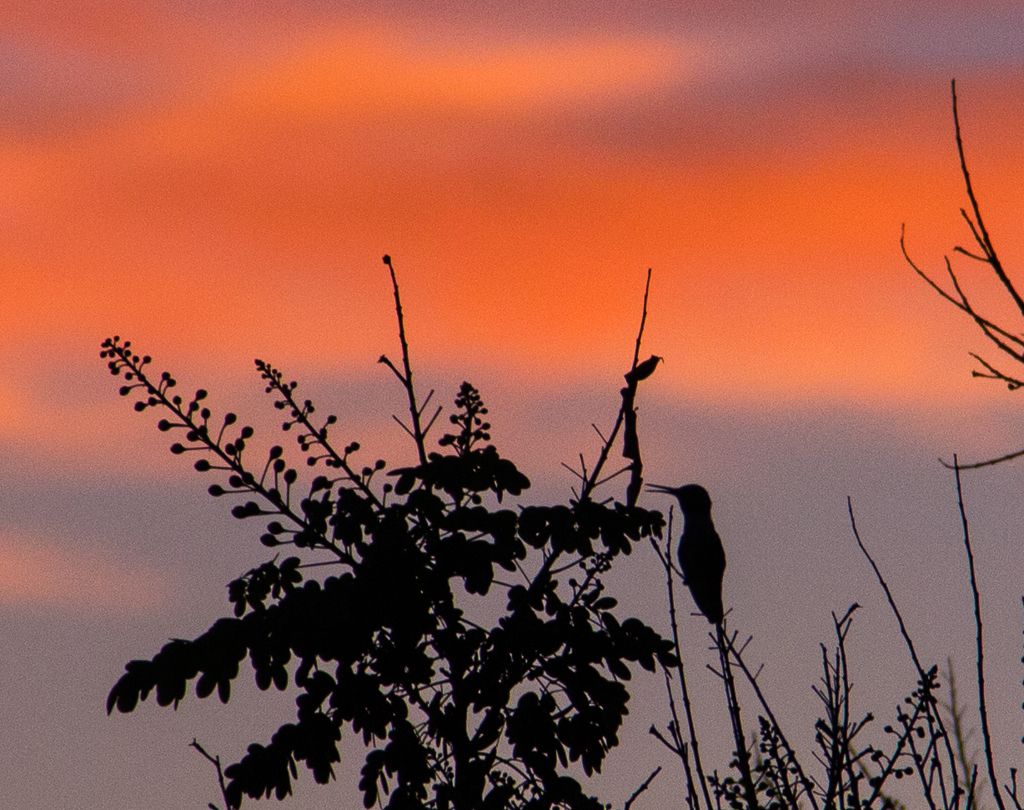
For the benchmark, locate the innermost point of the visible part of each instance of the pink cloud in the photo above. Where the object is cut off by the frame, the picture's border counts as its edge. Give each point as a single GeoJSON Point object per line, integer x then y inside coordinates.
{"type": "Point", "coordinates": [73, 576]}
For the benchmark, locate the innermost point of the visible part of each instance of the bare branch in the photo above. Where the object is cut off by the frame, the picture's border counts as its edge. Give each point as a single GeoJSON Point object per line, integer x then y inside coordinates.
{"type": "Point", "coordinates": [983, 238]}
{"type": "Point", "coordinates": [574, 472]}
{"type": "Point", "coordinates": [220, 773]}
{"type": "Point", "coordinates": [627, 414]}
{"type": "Point", "coordinates": [694, 746]}
{"type": "Point", "coordinates": [1013, 793]}
{"type": "Point", "coordinates": [965, 252]}
{"type": "Point", "coordinates": [987, 463]}
{"type": "Point", "coordinates": [643, 320]}
{"type": "Point", "coordinates": [1007, 342]}
{"type": "Point", "coordinates": [982, 708]}
{"type": "Point", "coordinates": [433, 419]}
{"type": "Point", "coordinates": [414, 410]}
{"type": "Point", "coordinates": [995, 374]}
{"type": "Point", "coordinates": [961, 303]}
{"type": "Point", "coordinates": [401, 424]}
{"type": "Point", "coordinates": [642, 788]}
{"type": "Point", "coordinates": [793, 761]}
{"type": "Point", "coordinates": [888, 593]}
{"type": "Point", "coordinates": [741, 762]}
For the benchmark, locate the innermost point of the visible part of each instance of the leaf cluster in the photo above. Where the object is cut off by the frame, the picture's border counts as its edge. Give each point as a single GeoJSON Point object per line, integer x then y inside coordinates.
{"type": "Point", "coordinates": [455, 712]}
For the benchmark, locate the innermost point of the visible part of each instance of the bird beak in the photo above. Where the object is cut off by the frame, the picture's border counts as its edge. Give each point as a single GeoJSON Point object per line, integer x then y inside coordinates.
{"type": "Point", "coordinates": [661, 489]}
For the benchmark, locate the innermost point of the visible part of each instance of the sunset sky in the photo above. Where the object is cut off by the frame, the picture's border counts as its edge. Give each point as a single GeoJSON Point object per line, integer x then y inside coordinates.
{"type": "Point", "coordinates": [219, 185]}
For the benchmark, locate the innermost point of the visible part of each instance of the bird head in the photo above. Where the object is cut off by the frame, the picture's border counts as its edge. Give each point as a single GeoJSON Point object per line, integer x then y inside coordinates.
{"type": "Point", "coordinates": [693, 498]}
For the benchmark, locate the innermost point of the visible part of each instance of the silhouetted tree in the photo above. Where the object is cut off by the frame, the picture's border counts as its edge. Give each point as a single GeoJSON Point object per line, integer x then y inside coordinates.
{"type": "Point", "coordinates": [455, 711]}
{"type": "Point", "coordinates": [459, 713]}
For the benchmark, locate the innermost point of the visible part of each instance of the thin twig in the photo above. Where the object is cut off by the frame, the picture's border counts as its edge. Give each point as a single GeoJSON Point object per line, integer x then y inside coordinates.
{"type": "Point", "coordinates": [643, 320]}
{"type": "Point", "coordinates": [625, 411]}
{"type": "Point", "coordinates": [220, 773]}
{"type": "Point", "coordinates": [961, 303]}
{"type": "Point", "coordinates": [982, 708]}
{"type": "Point", "coordinates": [641, 789]}
{"type": "Point", "coordinates": [956, 714]}
{"type": "Point", "coordinates": [1013, 794]}
{"type": "Point", "coordinates": [995, 374]}
{"type": "Point", "coordinates": [414, 410]}
{"type": "Point", "coordinates": [1007, 342]}
{"type": "Point", "coordinates": [988, 463]}
{"type": "Point", "coordinates": [923, 676]}
{"type": "Point", "coordinates": [742, 761]}
{"type": "Point", "coordinates": [666, 561]}
{"type": "Point", "coordinates": [885, 587]}
{"type": "Point", "coordinates": [984, 240]}
{"type": "Point", "coordinates": [752, 680]}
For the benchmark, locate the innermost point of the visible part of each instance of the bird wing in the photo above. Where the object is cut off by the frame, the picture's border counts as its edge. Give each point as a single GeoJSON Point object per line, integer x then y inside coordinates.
{"type": "Point", "coordinates": [702, 558]}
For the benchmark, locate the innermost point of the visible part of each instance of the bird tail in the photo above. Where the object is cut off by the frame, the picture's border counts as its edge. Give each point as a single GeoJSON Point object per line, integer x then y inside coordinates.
{"type": "Point", "coordinates": [709, 601]}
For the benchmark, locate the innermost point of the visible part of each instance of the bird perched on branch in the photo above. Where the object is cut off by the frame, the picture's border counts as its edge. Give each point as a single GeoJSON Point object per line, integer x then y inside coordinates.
{"type": "Point", "coordinates": [701, 556]}
{"type": "Point", "coordinates": [644, 370]}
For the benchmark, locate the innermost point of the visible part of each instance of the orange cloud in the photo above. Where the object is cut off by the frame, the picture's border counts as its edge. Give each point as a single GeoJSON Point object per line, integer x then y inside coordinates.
{"type": "Point", "coordinates": [72, 577]}
{"type": "Point", "coordinates": [383, 73]}
{"type": "Point", "coordinates": [249, 218]}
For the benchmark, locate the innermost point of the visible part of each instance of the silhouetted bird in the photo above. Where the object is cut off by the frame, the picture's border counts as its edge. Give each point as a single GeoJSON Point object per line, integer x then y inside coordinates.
{"type": "Point", "coordinates": [644, 370]}
{"type": "Point", "coordinates": [701, 555]}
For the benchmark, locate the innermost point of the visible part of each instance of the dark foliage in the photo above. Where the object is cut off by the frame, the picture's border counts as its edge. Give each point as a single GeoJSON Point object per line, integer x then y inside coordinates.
{"type": "Point", "coordinates": [463, 713]}
{"type": "Point", "coordinates": [455, 712]}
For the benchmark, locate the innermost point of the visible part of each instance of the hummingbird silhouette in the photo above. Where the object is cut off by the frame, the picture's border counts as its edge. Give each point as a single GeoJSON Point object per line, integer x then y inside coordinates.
{"type": "Point", "coordinates": [701, 556]}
